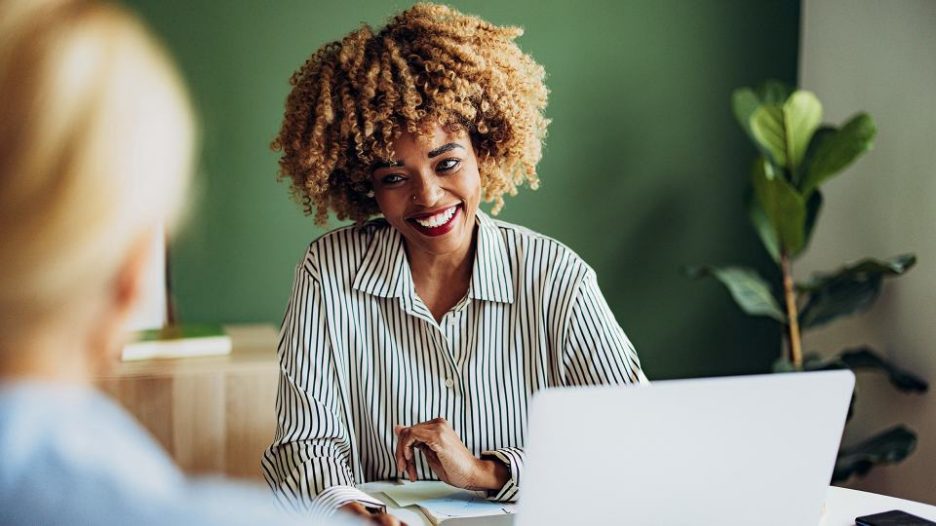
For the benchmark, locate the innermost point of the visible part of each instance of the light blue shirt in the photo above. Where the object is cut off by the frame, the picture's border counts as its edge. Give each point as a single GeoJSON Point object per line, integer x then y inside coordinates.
{"type": "Point", "coordinates": [70, 455]}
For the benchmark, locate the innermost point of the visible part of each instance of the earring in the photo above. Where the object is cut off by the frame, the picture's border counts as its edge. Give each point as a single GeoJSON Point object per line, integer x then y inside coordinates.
{"type": "Point", "coordinates": [370, 194]}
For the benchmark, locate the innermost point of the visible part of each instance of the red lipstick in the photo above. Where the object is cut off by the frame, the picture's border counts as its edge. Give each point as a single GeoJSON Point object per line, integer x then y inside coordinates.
{"type": "Point", "coordinates": [444, 228]}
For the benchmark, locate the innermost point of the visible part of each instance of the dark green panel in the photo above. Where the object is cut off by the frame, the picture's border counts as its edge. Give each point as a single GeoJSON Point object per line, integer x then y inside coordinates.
{"type": "Point", "coordinates": [644, 168]}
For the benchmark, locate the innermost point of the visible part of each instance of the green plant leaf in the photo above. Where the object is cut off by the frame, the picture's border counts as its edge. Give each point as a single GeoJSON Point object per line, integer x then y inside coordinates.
{"type": "Point", "coordinates": [749, 290]}
{"type": "Point", "coordinates": [864, 358]}
{"type": "Point", "coordinates": [894, 266]}
{"type": "Point", "coordinates": [764, 228]}
{"type": "Point", "coordinates": [851, 289]}
{"type": "Point", "coordinates": [834, 150]}
{"type": "Point", "coordinates": [823, 134]}
{"type": "Point", "coordinates": [888, 447]}
{"type": "Point", "coordinates": [744, 102]}
{"type": "Point", "coordinates": [782, 204]}
{"type": "Point", "coordinates": [767, 233]}
{"type": "Point", "coordinates": [813, 207]}
{"type": "Point", "coordinates": [803, 114]}
{"type": "Point", "coordinates": [769, 132]}
{"type": "Point", "coordinates": [784, 130]}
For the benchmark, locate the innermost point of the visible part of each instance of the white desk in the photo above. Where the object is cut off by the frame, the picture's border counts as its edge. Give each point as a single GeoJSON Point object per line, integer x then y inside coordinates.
{"type": "Point", "coordinates": [842, 506]}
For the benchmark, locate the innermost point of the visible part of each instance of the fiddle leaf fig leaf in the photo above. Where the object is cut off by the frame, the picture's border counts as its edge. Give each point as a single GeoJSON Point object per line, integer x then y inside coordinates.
{"type": "Point", "coordinates": [744, 102]}
{"type": "Point", "coordinates": [782, 204]}
{"type": "Point", "coordinates": [834, 150]}
{"type": "Point", "coordinates": [864, 358]}
{"type": "Point", "coordinates": [802, 115]}
{"type": "Point", "coordinates": [749, 290]}
{"type": "Point", "coordinates": [850, 290]}
{"type": "Point", "coordinates": [764, 228]}
{"type": "Point", "coordinates": [888, 447]}
{"type": "Point", "coordinates": [769, 132]}
{"type": "Point", "coordinates": [813, 207]}
{"type": "Point", "coordinates": [894, 266]}
{"type": "Point", "coordinates": [784, 130]}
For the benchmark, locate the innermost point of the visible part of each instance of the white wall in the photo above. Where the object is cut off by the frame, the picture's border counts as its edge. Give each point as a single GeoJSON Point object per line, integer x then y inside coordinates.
{"type": "Point", "coordinates": [880, 56]}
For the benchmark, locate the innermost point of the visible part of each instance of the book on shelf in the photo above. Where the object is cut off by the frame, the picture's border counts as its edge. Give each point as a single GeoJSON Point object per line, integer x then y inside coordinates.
{"type": "Point", "coordinates": [178, 341]}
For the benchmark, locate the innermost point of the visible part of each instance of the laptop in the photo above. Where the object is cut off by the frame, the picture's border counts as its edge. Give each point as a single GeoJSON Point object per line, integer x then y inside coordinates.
{"type": "Point", "coordinates": [728, 451]}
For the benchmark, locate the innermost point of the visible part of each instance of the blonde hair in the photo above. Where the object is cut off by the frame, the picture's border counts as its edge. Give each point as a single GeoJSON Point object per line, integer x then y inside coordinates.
{"type": "Point", "coordinates": [95, 148]}
{"type": "Point", "coordinates": [430, 64]}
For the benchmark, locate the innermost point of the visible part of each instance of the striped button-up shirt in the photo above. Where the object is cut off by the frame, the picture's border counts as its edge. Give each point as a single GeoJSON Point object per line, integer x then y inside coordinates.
{"type": "Point", "coordinates": [360, 352]}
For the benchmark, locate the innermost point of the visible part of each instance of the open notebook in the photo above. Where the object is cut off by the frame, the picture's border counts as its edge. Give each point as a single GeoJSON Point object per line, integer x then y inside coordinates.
{"type": "Point", "coordinates": [444, 504]}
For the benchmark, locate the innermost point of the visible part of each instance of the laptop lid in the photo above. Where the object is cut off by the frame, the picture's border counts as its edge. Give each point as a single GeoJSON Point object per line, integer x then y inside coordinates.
{"type": "Point", "coordinates": [729, 451]}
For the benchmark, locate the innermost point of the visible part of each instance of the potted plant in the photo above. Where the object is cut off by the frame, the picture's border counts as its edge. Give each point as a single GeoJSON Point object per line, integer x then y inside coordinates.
{"type": "Point", "coordinates": [797, 154]}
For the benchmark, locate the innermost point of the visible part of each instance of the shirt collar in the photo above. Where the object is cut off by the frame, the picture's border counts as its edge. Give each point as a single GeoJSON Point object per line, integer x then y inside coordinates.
{"type": "Point", "coordinates": [384, 264]}
{"type": "Point", "coordinates": [491, 276]}
{"type": "Point", "coordinates": [385, 272]}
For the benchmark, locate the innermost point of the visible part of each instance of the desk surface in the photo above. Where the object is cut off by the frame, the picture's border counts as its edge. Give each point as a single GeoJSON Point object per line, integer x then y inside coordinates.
{"type": "Point", "coordinates": [842, 506]}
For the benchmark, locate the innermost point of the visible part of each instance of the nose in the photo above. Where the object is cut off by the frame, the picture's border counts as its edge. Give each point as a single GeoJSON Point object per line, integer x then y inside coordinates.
{"type": "Point", "coordinates": [427, 191]}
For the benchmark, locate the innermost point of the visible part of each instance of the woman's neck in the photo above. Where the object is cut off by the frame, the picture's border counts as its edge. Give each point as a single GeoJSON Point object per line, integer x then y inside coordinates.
{"type": "Point", "coordinates": [441, 280]}
{"type": "Point", "coordinates": [46, 355]}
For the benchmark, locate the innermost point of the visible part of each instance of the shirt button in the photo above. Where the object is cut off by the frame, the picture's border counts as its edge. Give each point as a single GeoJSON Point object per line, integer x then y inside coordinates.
{"type": "Point", "coordinates": [449, 382]}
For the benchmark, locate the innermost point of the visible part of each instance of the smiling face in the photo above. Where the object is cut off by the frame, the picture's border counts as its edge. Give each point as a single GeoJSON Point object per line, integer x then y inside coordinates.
{"type": "Point", "coordinates": [431, 191]}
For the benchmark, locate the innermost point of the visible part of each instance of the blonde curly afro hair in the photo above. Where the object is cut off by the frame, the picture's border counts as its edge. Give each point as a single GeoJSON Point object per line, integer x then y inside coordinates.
{"type": "Point", "coordinates": [430, 65]}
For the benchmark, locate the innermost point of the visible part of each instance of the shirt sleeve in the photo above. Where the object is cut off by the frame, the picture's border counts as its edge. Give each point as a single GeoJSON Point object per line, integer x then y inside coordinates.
{"type": "Point", "coordinates": [512, 457]}
{"type": "Point", "coordinates": [307, 465]}
{"type": "Point", "coordinates": [596, 350]}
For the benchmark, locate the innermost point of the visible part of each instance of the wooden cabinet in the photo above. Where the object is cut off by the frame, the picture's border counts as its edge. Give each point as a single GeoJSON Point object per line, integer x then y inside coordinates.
{"type": "Point", "coordinates": [212, 414]}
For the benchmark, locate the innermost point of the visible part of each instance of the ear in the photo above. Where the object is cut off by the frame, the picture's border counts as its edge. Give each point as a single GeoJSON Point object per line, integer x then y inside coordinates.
{"type": "Point", "coordinates": [128, 286]}
{"type": "Point", "coordinates": [109, 333]}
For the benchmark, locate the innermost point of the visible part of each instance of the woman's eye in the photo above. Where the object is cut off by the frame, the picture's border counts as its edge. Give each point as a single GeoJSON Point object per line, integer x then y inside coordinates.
{"type": "Point", "coordinates": [390, 180]}
{"type": "Point", "coordinates": [447, 165]}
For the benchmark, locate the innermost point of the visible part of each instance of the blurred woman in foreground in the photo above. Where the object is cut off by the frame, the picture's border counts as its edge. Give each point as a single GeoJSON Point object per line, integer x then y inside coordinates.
{"type": "Point", "coordinates": [95, 147]}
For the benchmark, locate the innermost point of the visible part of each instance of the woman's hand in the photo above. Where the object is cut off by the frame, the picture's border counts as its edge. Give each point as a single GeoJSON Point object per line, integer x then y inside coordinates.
{"type": "Point", "coordinates": [373, 517]}
{"type": "Point", "coordinates": [448, 457]}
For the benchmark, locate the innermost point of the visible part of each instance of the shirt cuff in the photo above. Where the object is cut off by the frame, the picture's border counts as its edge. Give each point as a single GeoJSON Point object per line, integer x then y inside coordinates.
{"type": "Point", "coordinates": [512, 457]}
{"type": "Point", "coordinates": [329, 500]}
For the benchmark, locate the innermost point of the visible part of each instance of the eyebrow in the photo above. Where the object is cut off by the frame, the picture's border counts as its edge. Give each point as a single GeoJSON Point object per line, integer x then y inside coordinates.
{"type": "Point", "coordinates": [444, 148]}
{"type": "Point", "coordinates": [434, 153]}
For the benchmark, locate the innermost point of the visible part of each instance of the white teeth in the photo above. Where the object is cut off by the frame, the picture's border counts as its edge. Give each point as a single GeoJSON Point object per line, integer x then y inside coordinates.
{"type": "Point", "coordinates": [437, 220]}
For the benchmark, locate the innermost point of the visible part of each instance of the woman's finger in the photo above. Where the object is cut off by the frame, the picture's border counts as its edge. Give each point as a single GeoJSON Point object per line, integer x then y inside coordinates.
{"type": "Point", "coordinates": [435, 464]}
{"type": "Point", "coordinates": [404, 453]}
{"type": "Point", "coordinates": [356, 508]}
{"type": "Point", "coordinates": [429, 434]}
{"type": "Point", "coordinates": [385, 519]}
{"type": "Point", "coordinates": [402, 446]}
{"type": "Point", "coordinates": [411, 470]}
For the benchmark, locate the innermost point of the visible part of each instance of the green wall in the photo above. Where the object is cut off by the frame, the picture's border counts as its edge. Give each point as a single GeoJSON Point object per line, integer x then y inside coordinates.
{"type": "Point", "coordinates": [644, 168]}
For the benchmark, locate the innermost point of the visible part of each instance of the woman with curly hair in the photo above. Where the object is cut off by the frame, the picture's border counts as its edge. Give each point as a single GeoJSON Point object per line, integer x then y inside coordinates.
{"type": "Point", "coordinates": [412, 343]}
